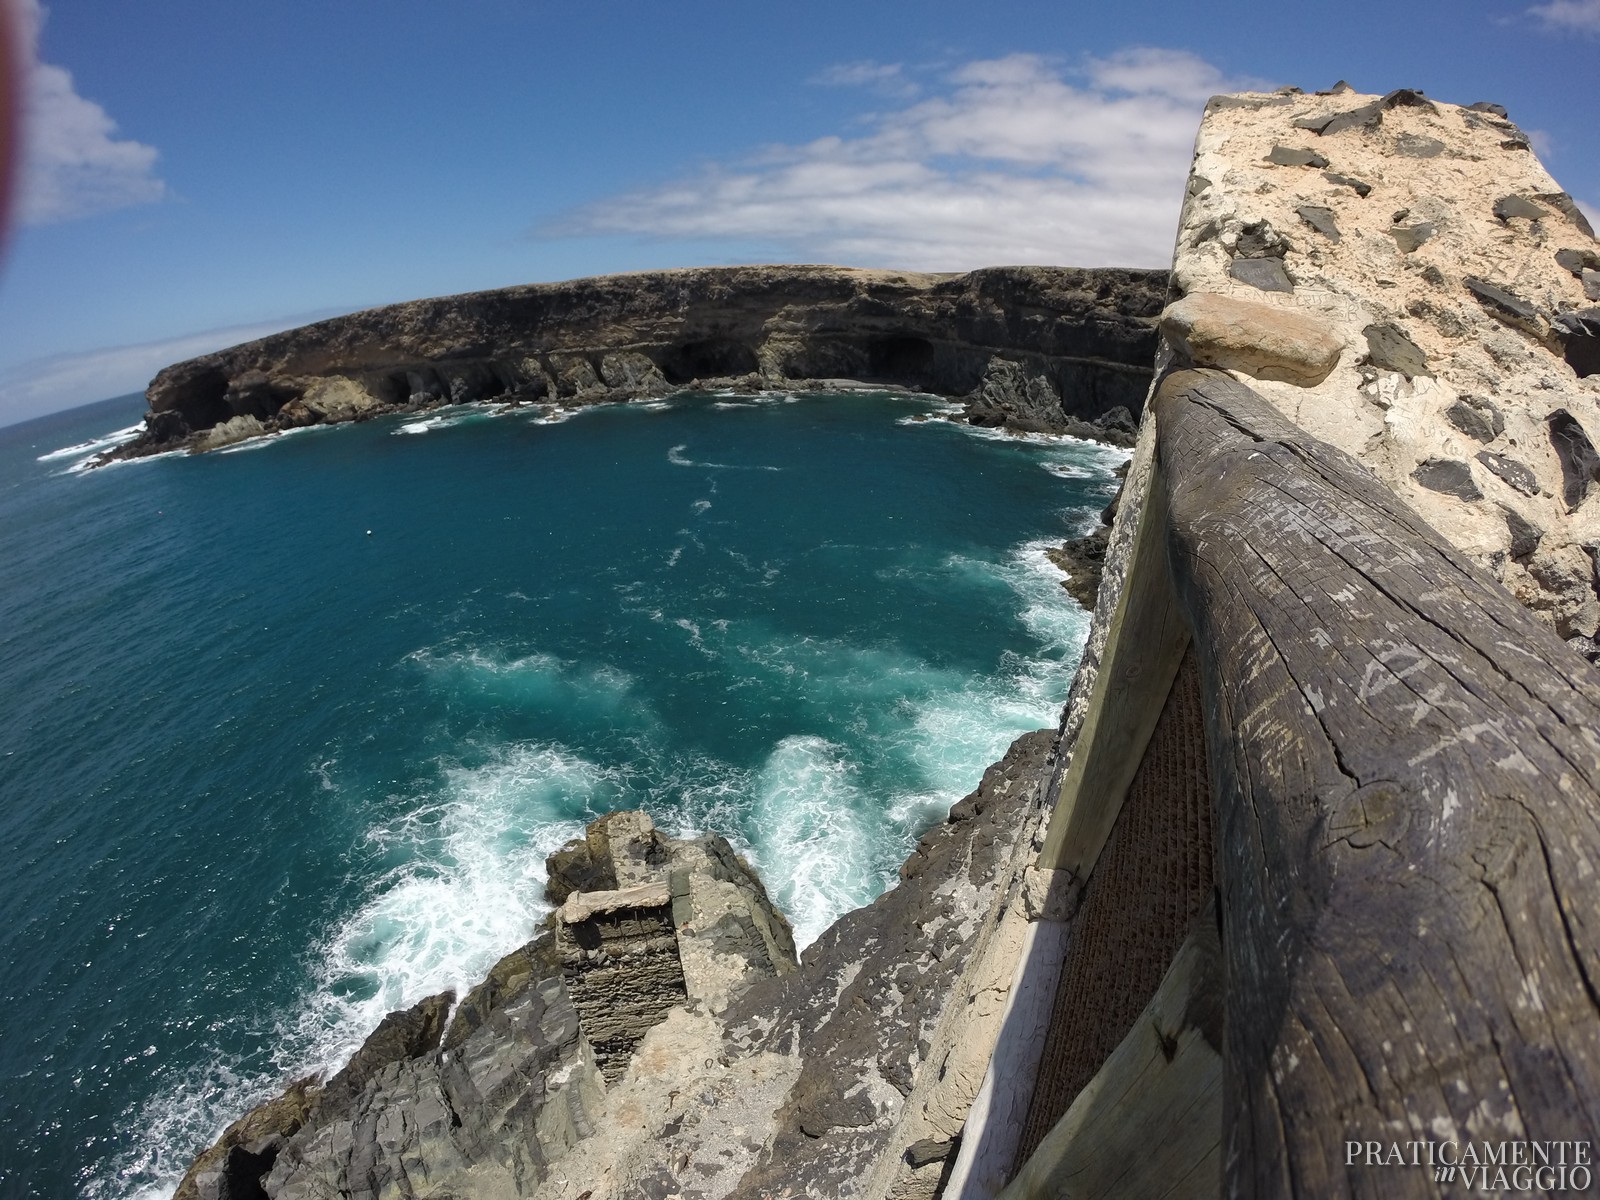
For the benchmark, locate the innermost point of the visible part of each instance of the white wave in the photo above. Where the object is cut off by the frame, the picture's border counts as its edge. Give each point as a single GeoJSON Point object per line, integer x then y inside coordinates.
{"type": "Point", "coordinates": [264, 440]}
{"type": "Point", "coordinates": [676, 458]}
{"type": "Point", "coordinates": [104, 442]}
{"type": "Point", "coordinates": [808, 835]}
{"type": "Point", "coordinates": [700, 506]}
{"type": "Point", "coordinates": [468, 890]}
{"type": "Point", "coordinates": [95, 463]}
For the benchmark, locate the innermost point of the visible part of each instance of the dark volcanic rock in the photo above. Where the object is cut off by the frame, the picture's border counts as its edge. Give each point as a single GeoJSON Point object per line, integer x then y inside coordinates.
{"type": "Point", "coordinates": [1389, 348]}
{"type": "Point", "coordinates": [1477, 417]}
{"type": "Point", "coordinates": [1414, 146]}
{"type": "Point", "coordinates": [1086, 336]}
{"type": "Point", "coordinates": [1508, 207]}
{"type": "Point", "coordinates": [1580, 465]}
{"type": "Point", "coordinates": [1448, 476]}
{"type": "Point", "coordinates": [1564, 204]}
{"type": "Point", "coordinates": [1517, 474]}
{"type": "Point", "coordinates": [1360, 187]}
{"type": "Point", "coordinates": [1525, 537]}
{"type": "Point", "coordinates": [1579, 333]}
{"type": "Point", "coordinates": [1082, 559]}
{"type": "Point", "coordinates": [1321, 219]}
{"type": "Point", "coordinates": [1287, 156]}
{"type": "Point", "coordinates": [1267, 274]}
{"type": "Point", "coordinates": [1578, 261]}
{"type": "Point", "coordinates": [1513, 310]}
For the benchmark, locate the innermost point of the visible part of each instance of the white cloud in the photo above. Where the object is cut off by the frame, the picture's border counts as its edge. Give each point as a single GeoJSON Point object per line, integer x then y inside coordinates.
{"type": "Point", "coordinates": [73, 165]}
{"type": "Point", "coordinates": [1014, 160]}
{"type": "Point", "coordinates": [44, 385]}
{"type": "Point", "coordinates": [1564, 16]}
{"type": "Point", "coordinates": [888, 78]}
{"type": "Point", "coordinates": [1592, 211]}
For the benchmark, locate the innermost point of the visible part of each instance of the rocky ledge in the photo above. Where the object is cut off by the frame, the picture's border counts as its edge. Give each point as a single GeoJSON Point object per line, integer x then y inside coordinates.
{"type": "Point", "coordinates": [659, 1038]}
{"type": "Point", "coordinates": [1033, 348]}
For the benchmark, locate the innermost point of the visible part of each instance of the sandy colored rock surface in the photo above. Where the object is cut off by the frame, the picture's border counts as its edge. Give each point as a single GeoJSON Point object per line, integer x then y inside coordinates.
{"type": "Point", "coordinates": [1448, 265]}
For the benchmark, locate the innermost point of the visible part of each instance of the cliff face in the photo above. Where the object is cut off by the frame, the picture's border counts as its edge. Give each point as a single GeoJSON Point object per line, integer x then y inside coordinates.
{"type": "Point", "coordinates": [660, 1038]}
{"type": "Point", "coordinates": [1033, 347]}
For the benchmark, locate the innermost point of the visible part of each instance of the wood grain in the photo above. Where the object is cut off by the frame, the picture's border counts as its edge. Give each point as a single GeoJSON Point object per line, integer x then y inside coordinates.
{"type": "Point", "coordinates": [1406, 767]}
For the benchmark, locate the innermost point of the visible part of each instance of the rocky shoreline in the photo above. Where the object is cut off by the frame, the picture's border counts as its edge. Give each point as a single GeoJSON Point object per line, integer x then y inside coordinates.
{"type": "Point", "coordinates": [1054, 349]}
{"type": "Point", "coordinates": [660, 1038]}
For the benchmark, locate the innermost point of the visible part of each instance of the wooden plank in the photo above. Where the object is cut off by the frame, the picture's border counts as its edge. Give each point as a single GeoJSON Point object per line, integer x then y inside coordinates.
{"type": "Point", "coordinates": [1149, 1124]}
{"type": "Point", "coordinates": [1407, 773]}
{"type": "Point", "coordinates": [994, 1126]}
{"type": "Point", "coordinates": [1146, 643]}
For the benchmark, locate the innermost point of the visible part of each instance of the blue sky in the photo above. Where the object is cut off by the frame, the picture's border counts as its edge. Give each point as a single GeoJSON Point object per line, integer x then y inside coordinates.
{"type": "Point", "coordinates": [199, 173]}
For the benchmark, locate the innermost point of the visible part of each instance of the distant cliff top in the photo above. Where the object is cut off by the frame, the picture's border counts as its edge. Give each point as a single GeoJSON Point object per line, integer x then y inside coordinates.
{"type": "Point", "coordinates": [1083, 340]}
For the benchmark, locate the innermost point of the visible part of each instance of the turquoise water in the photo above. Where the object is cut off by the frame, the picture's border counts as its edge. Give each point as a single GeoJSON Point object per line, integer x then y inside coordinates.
{"type": "Point", "coordinates": [287, 731]}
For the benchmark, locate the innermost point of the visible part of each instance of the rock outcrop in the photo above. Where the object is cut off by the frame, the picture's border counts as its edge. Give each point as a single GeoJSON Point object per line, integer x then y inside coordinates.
{"type": "Point", "coordinates": [1032, 347]}
{"type": "Point", "coordinates": [1404, 280]}
{"type": "Point", "coordinates": [660, 1039]}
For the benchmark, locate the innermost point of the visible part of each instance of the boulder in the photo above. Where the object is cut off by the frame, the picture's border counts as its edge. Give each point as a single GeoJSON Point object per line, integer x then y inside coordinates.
{"type": "Point", "coordinates": [1241, 335]}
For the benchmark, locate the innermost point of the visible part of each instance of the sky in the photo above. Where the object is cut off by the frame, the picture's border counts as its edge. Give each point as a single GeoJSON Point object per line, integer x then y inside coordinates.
{"type": "Point", "coordinates": [195, 175]}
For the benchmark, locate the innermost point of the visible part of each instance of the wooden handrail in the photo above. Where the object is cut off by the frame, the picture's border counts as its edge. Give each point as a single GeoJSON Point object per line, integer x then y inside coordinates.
{"type": "Point", "coordinates": [1407, 778]}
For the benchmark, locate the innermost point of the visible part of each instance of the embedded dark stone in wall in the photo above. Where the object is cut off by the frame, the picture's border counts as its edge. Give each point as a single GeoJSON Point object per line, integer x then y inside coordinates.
{"type": "Point", "coordinates": [1564, 204]}
{"type": "Point", "coordinates": [1525, 536]}
{"type": "Point", "coordinates": [1477, 417]}
{"type": "Point", "coordinates": [1484, 106]}
{"type": "Point", "coordinates": [1264, 273]}
{"type": "Point", "coordinates": [1580, 465]}
{"type": "Point", "coordinates": [1578, 261]}
{"type": "Point", "coordinates": [1287, 156]}
{"type": "Point", "coordinates": [1508, 207]}
{"type": "Point", "coordinates": [1591, 284]}
{"type": "Point", "coordinates": [1360, 187]}
{"type": "Point", "coordinates": [1260, 240]}
{"type": "Point", "coordinates": [1390, 349]}
{"type": "Point", "coordinates": [1580, 340]}
{"type": "Point", "coordinates": [1409, 237]}
{"type": "Point", "coordinates": [1448, 476]}
{"type": "Point", "coordinates": [1509, 469]}
{"type": "Point", "coordinates": [1513, 310]}
{"type": "Point", "coordinates": [1321, 219]}
{"type": "Point", "coordinates": [1415, 146]}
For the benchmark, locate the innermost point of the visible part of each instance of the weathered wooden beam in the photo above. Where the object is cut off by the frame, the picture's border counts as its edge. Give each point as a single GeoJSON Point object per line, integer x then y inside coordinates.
{"type": "Point", "coordinates": [1149, 1124]}
{"type": "Point", "coordinates": [1407, 774]}
{"type": "Point", "coordinates": [1146, 643]}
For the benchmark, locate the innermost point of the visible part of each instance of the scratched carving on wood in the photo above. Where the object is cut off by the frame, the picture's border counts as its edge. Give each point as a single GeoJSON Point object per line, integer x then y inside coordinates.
{"type": "Point", "coordinates": [1406, 766]}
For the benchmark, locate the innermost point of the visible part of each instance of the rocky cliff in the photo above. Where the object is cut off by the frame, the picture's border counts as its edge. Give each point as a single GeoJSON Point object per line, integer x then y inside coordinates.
{"type": "Point", "coordinates": [1031, 347]}
{"type": "Point", "coordinates": [659, 1039]}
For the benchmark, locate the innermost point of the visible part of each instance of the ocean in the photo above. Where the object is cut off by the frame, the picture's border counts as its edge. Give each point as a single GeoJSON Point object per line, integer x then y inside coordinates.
{"type": "Point", "coordinates": [286, 731]}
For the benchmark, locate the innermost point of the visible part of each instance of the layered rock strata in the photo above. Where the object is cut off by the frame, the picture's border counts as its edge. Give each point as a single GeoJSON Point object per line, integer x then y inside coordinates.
{"type": "Point", "coordinates": [1028, 347]}
{"type": "Point", "coordinates": [1404, 280]}
{"type": "Point", "coordinates": [660, 1039]}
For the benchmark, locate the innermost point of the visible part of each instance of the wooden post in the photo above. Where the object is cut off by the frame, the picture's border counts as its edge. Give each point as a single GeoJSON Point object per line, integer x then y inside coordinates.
{"type": "Point", "coordinates": [1406, 767]}
{"type": "Point", "coordinates": [1149, 1123]}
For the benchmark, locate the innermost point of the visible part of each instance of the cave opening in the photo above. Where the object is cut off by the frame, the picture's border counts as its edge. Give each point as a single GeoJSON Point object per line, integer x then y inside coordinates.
{"type": "Point", "coordinates": [708, 359]}
{"type": "Point", "coordinates": [900, 359]}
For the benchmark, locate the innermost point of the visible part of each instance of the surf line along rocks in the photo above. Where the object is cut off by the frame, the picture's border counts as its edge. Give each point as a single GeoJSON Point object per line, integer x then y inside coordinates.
{"type": "Point", "coordinates": [658, 1037]}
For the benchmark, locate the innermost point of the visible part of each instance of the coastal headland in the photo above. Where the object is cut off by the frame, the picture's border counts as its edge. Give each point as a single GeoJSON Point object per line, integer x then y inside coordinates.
{"type": "Point", "coordinates": [1036, 348]}
{"type": "Point", "coordinates": [1308, 863]}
